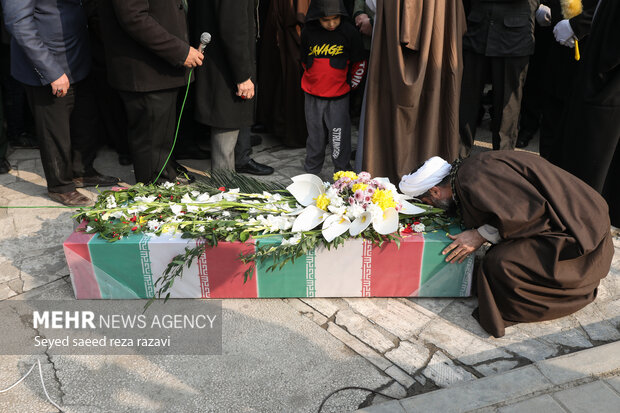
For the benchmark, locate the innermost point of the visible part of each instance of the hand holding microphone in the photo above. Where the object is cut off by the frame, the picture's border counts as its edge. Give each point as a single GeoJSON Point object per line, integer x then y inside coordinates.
{"type": "Point", "coordinates": [196, 56]}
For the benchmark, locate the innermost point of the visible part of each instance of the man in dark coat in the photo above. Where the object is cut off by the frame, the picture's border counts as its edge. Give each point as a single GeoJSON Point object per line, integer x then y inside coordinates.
{"type": "Point", "coordinates": [225, 85]}
{"type": "Point", "coordinates": [148, 56]}
{"type": "Point", "coordinates": [550, 233]}
{"type": "Point", "coordinates": [498, 43]}
{"type": "Point", "coordinates": [50, 56]}
{"type": "Point", "coordinates": [592, 123]}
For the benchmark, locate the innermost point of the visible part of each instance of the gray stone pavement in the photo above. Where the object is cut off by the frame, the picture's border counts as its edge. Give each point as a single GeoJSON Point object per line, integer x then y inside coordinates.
{"type": "Point", "coordinates": [287, 354]}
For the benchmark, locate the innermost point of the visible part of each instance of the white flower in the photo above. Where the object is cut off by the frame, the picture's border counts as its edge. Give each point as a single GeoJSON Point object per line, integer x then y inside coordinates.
{"type": "Point", "coordinates": [225, 213]}
{"type": "Point", "coordinates": [252, 211]}
{"type": "Point", "coordinates": [201, 228]}
{"type": "Point", "coordinates": [354, 211]}
{"type": "Point", "coordinates": [419, 227]}
{"type": "Point", "coordinates": [154, 225]}
{"type": "Point", "coordinates": [117, 214]}
{"type": "Point", "coordinates": [110, 202]}
{"type": "Point", "coordinates": [167, 185]}
{"type": "Point", "coordinates": [89, 228]}
{"type": "Point", "coordinates": [148, 199]}
{"type": "Point", "coordinates": [192, 208]}
{"type": "Point", "coordinates": [176, 209]}
{"type": "Point", "coordinates": [340, 210]}
{"type": "Point", "coordinates": [186, 199]}
{"type": "Point", "coordinates": [216, 198]}
{"type": "Point", "coordinates": [294, 240]}
{"type": "Point", "coordinates": [229, 229]}
{"type": "Point", "coordinates": [195, 193]}
{"type": "Point", "coordinates": [202, 197]}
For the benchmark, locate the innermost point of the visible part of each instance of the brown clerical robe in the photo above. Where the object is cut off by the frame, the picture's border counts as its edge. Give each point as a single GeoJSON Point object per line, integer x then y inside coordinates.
{"type": "Point", "coordinates": [556, 243]}
{"type": "Point", "coordinates": [413, 86]}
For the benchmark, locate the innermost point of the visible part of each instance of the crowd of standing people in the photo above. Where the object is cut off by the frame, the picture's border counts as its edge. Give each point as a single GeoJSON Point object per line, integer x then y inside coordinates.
{"type": "Point", "coordinates": [414, 72]}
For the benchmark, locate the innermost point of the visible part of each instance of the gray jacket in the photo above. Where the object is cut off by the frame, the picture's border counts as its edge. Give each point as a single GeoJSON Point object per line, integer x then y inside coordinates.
{"type": "Point", "coordinates": [501, 28]}
{"type": "Point", "coordinates": [49, 38]}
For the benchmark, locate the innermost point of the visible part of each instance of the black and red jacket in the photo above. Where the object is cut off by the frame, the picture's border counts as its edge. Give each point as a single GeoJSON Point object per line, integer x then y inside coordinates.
{"type": "Point", "coordinates": [334, 61]}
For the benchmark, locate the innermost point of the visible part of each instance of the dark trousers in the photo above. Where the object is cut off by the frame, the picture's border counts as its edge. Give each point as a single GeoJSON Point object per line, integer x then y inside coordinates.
{"type": "Point", "coordinates": [507, 78]}
{"type": "Point", "coordinates": [67, 136]}
{"type": "Point", "coordinates": [328, 120]}
{"type": "Point", "coordinates": [4, 143]}
{"type": "Point", "coordinates": [151, 121]}
{"type": "Point", "coordinates": [243, 147]}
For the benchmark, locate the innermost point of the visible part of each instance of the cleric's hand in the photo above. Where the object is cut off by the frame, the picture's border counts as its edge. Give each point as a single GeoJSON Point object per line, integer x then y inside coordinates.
{"type": "Point", "coordinates": [564, 34]}
{"type": "Point", "coordinates": [464, 244]}
{"type": "Point", "coordinates": [543, 16]}
{"type": "Point", "coordinates": [60, 86]}
{"type": "Point", "coordinates": [194, 58]}
{"type": "Point", "coordinates": [245, 90]}
{"type": "Point", "coordinates": [362, 21]}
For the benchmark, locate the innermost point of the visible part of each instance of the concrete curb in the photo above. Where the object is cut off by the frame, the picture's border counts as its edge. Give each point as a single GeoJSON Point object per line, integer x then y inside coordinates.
{"type": "Point", "coordinates": [529, 382]}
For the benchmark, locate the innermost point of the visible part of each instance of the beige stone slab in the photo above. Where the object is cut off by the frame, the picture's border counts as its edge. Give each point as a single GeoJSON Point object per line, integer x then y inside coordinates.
{"type": "Point", "coordinates": [590, 397]}
{"type": "Point", "coordinates": [542, 404]}
{"type": "Point", "coordinates": [595, 361]}
{"type": "Point", "coordinates": [444, 373]}
{"type": "Point", "coordinates": [479, 393]}
{"type": "Point", "coordinates": [359, 347]}
{"type": "Point", "coordinates": [364, 330]}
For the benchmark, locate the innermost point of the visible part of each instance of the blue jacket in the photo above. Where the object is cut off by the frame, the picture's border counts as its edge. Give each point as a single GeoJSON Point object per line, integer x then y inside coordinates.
{"type": "Point", "coordinates": [49, 38]}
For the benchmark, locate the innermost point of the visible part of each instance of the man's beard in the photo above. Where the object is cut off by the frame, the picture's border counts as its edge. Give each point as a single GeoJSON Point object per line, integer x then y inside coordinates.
{"type": "Point", "coordinates": [446, 204]}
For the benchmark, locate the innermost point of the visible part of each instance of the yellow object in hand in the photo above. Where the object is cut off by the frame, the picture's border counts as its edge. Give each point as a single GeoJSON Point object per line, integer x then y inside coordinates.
{"type": "Point", "coordinates": [577, 54]}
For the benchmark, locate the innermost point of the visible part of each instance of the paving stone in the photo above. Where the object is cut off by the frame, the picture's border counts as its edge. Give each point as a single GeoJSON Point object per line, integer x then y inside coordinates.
{"type": "Point", "coordinates": [466, 347]}
{"type": "Point", "coordinates": [609, 288]}
{"type": "Point", "coordinates": [459, 313]}
{"type": "Point", "coordinates": [326, 306]}
{"type": "Point", "coordinates": [396, 317]}
{"type": "Point", "coordinates": [444, 373]}
{"type": "Point", "coordinates": [495, 367]}
{"type": "Point", "coordinates": [614, 382]}
{"type": "Point", "coordinates": [6, 292]}
{"type": "Point", "coordinates": [8, 271]}
{"type": "Point", "coordinates": [611, 309]}
{"type": "Point", "coordinates": [525, 345]}
{"type": "Point", "coordinates": [409, 356]}
{"type": "Point", "coordinates": [306, 310]}
{"type": "Point", "coordinates": [49, 267]}
{"type": "Point", "coordinates": [588, 398]}
{"type": "Point", "coordinates": [596, 361]}
{"type": "Point", "coordinates": [7, 179]}
{"type": "Point", "coordinates": [430, 306]}
{"type": "Point", "coordinates": [359, 347]}
{"type": "Point", "coordinates": [480, 393]}
{"type": "Point", "coordinates": [17, 285]}
{"type": "Point", "coordinates": [564, 331]}
{"type": "Point", "coordinates": [395, 390]}
{"type": "Point", "coordinates": [544, 404]}
{"type": "Point", "coordinates": [363, 329]}
{"type": "Point", "coordinates": [400, 376]}
{"type": "Point", "coordinates": [7, 226]}
{"type": "Point", "coordinates": [388, 407]}
{"type": "Point", "coordinates": [595, 324]}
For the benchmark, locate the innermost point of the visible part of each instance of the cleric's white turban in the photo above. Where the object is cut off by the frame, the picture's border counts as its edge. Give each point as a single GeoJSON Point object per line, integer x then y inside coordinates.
{"type": "Point", "coordinates": [429, 175]}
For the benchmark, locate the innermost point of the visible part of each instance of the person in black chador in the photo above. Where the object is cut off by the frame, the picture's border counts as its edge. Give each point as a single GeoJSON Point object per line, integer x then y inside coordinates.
{"type": "Point", "coordinates": [333, 57]}
{"type": "Point", "coordinates": [592, 121]}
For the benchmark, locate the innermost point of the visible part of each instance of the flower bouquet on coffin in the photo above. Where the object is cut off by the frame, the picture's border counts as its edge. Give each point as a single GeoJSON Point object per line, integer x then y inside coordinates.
{"type": "Point", "coordinates": [351, 204]}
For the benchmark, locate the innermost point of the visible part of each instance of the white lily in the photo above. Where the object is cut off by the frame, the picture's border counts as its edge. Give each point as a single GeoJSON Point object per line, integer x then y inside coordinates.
{"type": "Point", "coordinates": [306, 188]}
{"type": "Point", "coordinates": [309, 219]}
{"type": "Point", "coordinates": [334, 226]}
{"type": "Point", "coordinates": [387, 222]}
{"type": "Point", "coordinates": [360, 224]}
{"type": "Point", "coordinates": [410, 209]}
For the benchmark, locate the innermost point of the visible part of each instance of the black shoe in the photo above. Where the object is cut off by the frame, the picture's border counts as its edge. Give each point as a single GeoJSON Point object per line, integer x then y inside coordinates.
{"type": "Point", "coordinates": [24, 141]}
{"type": "Point", "coordinates": [124, 159]}
{"type": "Point", "coordinates": [5, 166]}
{"type": "Point", "coordinates": [256, 140]}
{"type": "Point", "coordinates": [258, 128]}
{"type": "Point", "coordinates": [191, 152]}
{"type": "Point", "coordinates": [523, 141]}
{"type": "Point", "coordinates": [254, 168]}
{"type": "Point", "coordinates": [95, 180]}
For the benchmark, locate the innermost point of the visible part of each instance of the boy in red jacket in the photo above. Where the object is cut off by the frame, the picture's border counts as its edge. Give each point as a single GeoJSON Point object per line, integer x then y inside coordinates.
{"type": "Point", "coordinates": [332, 54]}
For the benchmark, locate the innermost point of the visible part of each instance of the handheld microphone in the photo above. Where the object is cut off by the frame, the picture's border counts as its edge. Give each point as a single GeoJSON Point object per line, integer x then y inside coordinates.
{"type": "Point", "coordinates": [205, 39]}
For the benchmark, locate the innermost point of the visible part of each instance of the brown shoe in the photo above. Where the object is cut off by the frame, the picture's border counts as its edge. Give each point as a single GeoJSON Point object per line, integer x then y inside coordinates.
{"type": "Point", "coordinates": [73, 198]}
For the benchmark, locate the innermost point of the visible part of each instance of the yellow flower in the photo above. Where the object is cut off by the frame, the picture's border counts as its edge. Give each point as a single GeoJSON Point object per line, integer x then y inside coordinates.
{"type": "Point", "coordinates": [383, 198]}
{"type": "Point", "coordinates": [322, 202]}
{"type": "Point", "coordinates": [347, 174]}
{"type": "Point", "coordinates": [359, 186]}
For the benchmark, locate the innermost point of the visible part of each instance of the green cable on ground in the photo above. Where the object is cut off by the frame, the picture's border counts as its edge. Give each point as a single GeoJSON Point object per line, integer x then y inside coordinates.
{"type": "Point", "coordinates": [158, 175]}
